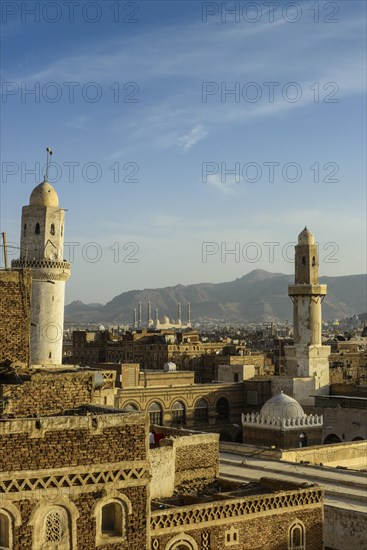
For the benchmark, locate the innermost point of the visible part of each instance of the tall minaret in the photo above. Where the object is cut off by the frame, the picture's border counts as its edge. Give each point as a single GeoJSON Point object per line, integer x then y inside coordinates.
{"type": "Point", "coordinates": [179, 313]}
{"type": "Point", "coordinates": [41, 251]}
{"type": "Point", "coordinates": [307, 357]}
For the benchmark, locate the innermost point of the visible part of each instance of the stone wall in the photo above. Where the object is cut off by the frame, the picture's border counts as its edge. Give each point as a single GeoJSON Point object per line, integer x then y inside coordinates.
{"type": "Point", "coordinates": [258, 522]}
{"type": "Point", "coordinates": [162, 469]}
{"type": "Point", "coordinates": [47, 394]}
{"type": "Point", "coordinates": [319, 454]}
{"type": "Point", "coordinates": [196, 456]}
{"type": "Point", "coordinates": [324, 454]}
{"type": "Point", "coordinates": [345, 529]}
{"type": "Point", "coordinates": [15, 304]}
{"type": "Point", "coordinates": [60, 441]}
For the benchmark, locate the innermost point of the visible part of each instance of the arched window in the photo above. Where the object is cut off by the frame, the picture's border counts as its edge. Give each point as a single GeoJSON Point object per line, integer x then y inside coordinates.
{"type": "Point", "coordinates": [302, 439]}
{"type": "Point", "coordinates": [178, 417]}
{"type": "Point", "coordinates": [111, 515]}
{"type": "Point", "coordinates": [297, 536]}
{"type": "Point", "coordinates": [313, 261]}
{"type": "Point", "coordinates": [201, 411]}
{"type": "Point", "coordinates": [5, 530]}
{"type": "Point", "coordinates": [155, 414]}
{"type": "Point", "coordinates": [222, 409]}
{"type": "Point", "coordinates": [303, 260]}
{"type": "Point", "coordinates": [62, 230]}
{"type": "Point", "coordinates": [37, 229]}
{"type": "Point", "coordinates": [56, 529]}
{"type": "Point", "coordinates": [130, 407]}
{"type": "Point", "coordinates": [52, 229]}
{"type": "Point", "coordinates": [25, 229]}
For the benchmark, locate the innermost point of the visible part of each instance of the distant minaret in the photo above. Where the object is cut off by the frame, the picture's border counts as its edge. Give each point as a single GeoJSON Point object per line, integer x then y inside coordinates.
{"type": "Point", "coordinates": [139, 318]}
{"type": "Point", "coordinates": [188, 314]}
{"type": "Point", "coordinates": [134, 324]}
{"type": "Point", "coordinates": [149, 315]}
{"type": "Point", "coordinates": [179, 313]}
{"type": "Point", "coordinates": [42, 251]}
{"type": "Point", "coordinates": [307, 357]}
{"type": "Point", "coordinates": [156, 316]}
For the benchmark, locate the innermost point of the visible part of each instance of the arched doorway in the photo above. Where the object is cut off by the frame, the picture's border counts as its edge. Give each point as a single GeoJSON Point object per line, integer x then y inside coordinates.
{"type": "Point", "coordinates": [222, 409]}
{"type": "Point", "coordinates": [178, 414]}
{"type": "Point", "coordinates": [155, 414]}
{"type": "Point", "coordinates": [181, 542]}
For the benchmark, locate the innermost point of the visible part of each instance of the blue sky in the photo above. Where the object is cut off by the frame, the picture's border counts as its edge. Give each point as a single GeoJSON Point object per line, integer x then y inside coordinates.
{"type": "Point", "coordinates": [175, 131]}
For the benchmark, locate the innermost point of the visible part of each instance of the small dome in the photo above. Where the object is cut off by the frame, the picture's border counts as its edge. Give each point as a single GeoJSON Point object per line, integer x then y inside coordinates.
{"type": "Point", "coordinates": [44, 195]}
{"type": "Point", "coordinates": [165, 320]}
{"type": "Point", "coordinates": [282, 406]}
{"type": "Point", "coordinates": [306, 237]}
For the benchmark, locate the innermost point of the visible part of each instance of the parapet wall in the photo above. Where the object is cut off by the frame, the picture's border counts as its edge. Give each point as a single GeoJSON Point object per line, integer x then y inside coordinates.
{"type": "Point", "coordinates": [47, 394]}
{"type": "Point", "coordinates": [64, 441]}
{"type": "Point", "coordinates": [322, 454]}
{"type": "Point", "coordinates": [345, 529]}
{"type": "Point", "coordinates": [182, 456]}
{"type": "Point", "coordinates": [318, 454]}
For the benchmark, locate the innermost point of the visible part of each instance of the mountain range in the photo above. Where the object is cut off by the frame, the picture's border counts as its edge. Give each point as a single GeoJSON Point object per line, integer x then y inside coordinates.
{"type": "Point", "coordinates": [259, 296]}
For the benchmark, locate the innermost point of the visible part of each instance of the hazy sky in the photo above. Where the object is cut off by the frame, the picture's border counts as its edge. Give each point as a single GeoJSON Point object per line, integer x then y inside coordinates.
{"type": "Point", "coordinates": [178, 124]}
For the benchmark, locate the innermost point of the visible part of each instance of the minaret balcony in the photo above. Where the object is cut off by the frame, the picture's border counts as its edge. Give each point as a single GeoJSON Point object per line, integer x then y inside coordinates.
{"type": "Point", "coordinates": [307, 290]}
{"type": "Point", "coordinates": [40, 264]}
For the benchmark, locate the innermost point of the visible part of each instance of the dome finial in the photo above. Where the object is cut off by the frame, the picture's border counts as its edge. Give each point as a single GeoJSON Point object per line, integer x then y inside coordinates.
{"type": "Point", "coordinates": [48, 159]}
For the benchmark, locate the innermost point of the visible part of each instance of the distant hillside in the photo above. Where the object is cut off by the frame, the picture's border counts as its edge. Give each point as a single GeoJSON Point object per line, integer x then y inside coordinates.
{"type": "Point", "coordinates": [258, 296]}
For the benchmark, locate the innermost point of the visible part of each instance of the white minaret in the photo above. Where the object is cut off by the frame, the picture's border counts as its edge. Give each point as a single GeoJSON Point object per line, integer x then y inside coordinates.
{"type": "Point", "coordinates": [179, 313]}
{"type": "Point", "coordinates": [307, 357]}
{"type": "Point", "coordinates": [41, 251]}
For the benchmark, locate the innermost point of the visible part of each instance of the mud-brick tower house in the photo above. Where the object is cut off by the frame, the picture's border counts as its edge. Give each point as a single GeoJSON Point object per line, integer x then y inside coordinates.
{"type": "Point", "coordinates": [41, 251]}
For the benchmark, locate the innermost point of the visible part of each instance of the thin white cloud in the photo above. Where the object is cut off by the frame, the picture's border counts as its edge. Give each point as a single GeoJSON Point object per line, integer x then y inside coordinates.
{"type": "Point", "coordinates": [197, 133]}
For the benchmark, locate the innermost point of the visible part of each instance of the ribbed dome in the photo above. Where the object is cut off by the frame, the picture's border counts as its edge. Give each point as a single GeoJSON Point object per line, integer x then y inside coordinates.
{"type": "Point", "coordinates": [282, 406]}
{"type": "Point", "coordinates": [306, 237]}
{"type": "Point", "coordinates": [44, 195]}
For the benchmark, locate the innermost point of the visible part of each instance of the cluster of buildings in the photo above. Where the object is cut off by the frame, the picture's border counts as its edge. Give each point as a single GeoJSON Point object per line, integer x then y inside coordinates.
{"type": "Point", "coordinates": [76, 467]}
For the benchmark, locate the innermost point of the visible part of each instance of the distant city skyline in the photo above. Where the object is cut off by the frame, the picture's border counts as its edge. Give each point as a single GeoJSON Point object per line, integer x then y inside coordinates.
{"type": "Point", "coordinates": [156, 121]}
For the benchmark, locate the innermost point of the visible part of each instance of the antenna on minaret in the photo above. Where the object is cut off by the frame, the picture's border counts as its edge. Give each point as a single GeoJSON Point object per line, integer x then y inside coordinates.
{"type": "Point", "coordinates": [48, 160]}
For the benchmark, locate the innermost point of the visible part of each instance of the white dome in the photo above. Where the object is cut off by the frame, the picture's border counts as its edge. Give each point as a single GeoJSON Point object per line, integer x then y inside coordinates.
{"type": "Point", "coordinates": [306, 237]}
{"type": "Point", "coordinates": [282, 406]}
{"type": "Point", "coordinates": [44, 195]}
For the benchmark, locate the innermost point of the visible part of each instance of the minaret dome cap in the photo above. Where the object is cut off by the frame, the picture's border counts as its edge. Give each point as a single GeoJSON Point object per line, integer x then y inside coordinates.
{"type": "Point", "coordinates": [306, 237]}
{"type": "Point", "coordinates": [44, 195]}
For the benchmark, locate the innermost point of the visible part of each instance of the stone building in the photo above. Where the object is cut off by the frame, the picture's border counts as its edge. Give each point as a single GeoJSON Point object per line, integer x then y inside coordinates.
{"type": "Point", "coordinates": [282, 423]}
{"type": "Point", "coordinates": [173, 399]}
{"type": "Point", "coordinates": [349, 361]}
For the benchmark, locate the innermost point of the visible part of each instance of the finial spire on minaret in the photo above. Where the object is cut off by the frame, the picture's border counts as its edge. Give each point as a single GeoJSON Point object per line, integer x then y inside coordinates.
{"type": "Point", "coordinates": [48, 160]}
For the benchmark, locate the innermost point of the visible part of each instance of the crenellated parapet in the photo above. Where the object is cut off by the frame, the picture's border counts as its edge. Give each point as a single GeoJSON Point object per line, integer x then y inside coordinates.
{"type": "Point", "coordinates": [255, 419]}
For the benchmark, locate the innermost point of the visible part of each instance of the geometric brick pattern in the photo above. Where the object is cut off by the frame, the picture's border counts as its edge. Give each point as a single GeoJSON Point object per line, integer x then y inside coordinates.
{"type": "Point", "coordinates": [205, 513]}
{"type": "Point", "coordinates": [35, 482]}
